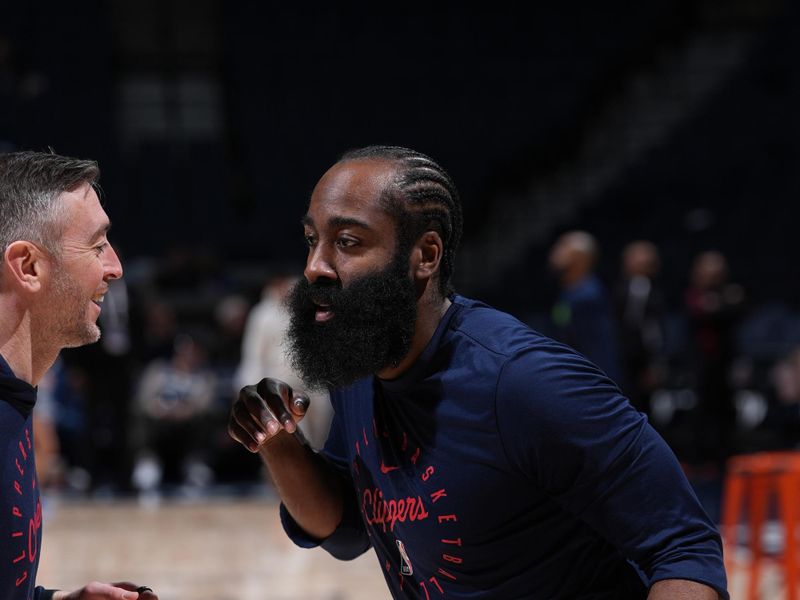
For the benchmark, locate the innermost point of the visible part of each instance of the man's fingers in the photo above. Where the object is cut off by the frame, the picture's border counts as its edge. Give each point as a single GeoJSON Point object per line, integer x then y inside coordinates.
{"type": "Point", "coordinates": [278, 396]}
{"type": "Point", "coordinates": [262, 410]}
{"type": "Point", "coordinates": [116, 591]}
{"type": "Point", "coordinates": [254, 405]}
{"type": "Point", "coordinates": [245, 438]}
{"type": "Point", "coordinates": [145, 592]}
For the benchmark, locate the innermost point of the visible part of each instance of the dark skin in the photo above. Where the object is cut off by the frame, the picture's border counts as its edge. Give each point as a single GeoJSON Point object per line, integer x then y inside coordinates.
{"type": "Point", "coordinates": [349, 235]}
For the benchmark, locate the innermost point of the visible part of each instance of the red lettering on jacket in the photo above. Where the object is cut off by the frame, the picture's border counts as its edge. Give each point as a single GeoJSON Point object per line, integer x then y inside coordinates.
{"type": "Point", "coordinates": [22, 579]}
{"type": "Point", "coordinates": [443, 518]}
{"type": "Point", "coordinates": [455, 542]}
{"type": "Point", "coordinates": [446, 574]}
{"type": "Point", "coordinates": [426, 474]}
{"type": "Point", "coordinates": [22, 449]}
{"type": "Point", "coordinates": [33, 529]}
{"type": "Point", "coordinates": [387, 513]}
{"type": "Point", "coordinates": [453, 559]}
{"type": "Point", "coordinates": [436, 583]}
{"type": "Point", "coordinates": [438, 495]}
{"type": "Point", "coordinates": [18, 488]}
{"type": "Point", "coordinates": [16, 512]}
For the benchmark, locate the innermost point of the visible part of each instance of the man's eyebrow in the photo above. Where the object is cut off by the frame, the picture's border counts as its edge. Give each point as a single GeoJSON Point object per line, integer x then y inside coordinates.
{"type": "Point", "coordinates": [338, 222]}
{"type": "Point", "coordinates": [347, 222]}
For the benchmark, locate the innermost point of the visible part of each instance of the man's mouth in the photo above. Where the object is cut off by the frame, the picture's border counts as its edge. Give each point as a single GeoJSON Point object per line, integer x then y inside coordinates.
{"type": "Point", "coordinates": [98, 300]}
{"type": "Point", "coordinates": [323, 312]}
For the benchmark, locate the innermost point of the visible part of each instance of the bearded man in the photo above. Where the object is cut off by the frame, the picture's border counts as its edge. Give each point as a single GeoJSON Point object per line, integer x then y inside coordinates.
{"type": "Point", "coordinates": [478, 458]}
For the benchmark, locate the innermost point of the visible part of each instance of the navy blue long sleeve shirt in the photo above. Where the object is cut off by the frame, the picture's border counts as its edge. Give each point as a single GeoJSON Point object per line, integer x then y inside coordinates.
{"type": "Point", "coordinates": [20, 505]}
{"type": "Point", "coordinates": [505, 465]}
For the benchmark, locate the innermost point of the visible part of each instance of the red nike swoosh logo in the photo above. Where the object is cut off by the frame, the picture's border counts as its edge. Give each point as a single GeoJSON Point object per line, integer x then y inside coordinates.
{"type": "Point", "coordinates": [385, 469]}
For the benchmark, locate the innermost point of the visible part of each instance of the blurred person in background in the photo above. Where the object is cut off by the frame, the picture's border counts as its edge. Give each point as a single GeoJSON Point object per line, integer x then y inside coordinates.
{"type": "Point", "coordinates": [640, 310]}
{"type": "Point", "coordinates": [173, 414]}
{"type": "Point", "coordinates": [264, 354]}
{"type": "Point", "coordinates": [582, 316]}
{"type": "Point", "coordinates": [157, 326]}
{"type": "Point", "coordinates": [476, 457]}
{"type": "Point", "coordinates": [56, 270]}
{"type": "Point", "coordinates": [713, 306]}
{"type": "Point", "coordinates": [783, 391]}
{"type": "Point", "coordinates": [230, 319]}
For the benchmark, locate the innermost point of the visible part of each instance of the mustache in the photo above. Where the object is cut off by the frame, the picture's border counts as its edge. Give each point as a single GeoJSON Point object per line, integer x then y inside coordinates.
{"type": "Point", "coordinates": [307, 295]}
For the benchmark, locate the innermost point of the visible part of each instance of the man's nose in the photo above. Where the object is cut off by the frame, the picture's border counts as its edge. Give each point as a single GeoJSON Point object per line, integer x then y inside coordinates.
{"type": "Point", "coordinates": [319, 266]}
{"type": "Point", "coordinates": [113, 265]}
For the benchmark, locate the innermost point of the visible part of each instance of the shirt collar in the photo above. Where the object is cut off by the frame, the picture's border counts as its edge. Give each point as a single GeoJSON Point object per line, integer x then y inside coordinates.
{"type": "Point", "coordinates": [19, 394]}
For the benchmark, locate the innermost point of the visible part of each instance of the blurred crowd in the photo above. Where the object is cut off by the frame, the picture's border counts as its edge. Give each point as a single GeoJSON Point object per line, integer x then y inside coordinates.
{"type": "Point", "coordinates": [145, 410]}
{"type": "Point", "coordinates": [696, 367]}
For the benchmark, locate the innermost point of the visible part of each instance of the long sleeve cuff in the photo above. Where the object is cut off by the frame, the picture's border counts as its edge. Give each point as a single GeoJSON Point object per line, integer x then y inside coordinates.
{"type": "Point", "coordinates": [349, 541]}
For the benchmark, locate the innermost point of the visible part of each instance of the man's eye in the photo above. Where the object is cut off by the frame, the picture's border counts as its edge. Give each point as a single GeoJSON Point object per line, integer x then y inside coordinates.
{"type": "Point", "coordinates": [310, 240]}
{"type": "Point", "coordinates": [100, 248]}
{"type": "Point", "coordinates": [344, 242]}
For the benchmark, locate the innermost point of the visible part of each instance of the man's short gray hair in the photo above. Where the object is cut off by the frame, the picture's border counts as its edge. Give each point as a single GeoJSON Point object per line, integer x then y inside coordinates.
{"type": "Point", "coordinates": [31, 184]}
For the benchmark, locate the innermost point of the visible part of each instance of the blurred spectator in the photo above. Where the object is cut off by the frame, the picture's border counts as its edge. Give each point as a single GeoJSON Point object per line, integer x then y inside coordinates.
{"type": "Point", "coordinates": [173, 415]}
{"type": "Point", "coordinates": [640, 310]}
{"type": "Point", "coordinates": [230, 316]}
{"type": "Point", "coordinates": [157, 332]}
{"type": "Point", "coordinates": [263, 355]}
{"type": "Point", "coordinates": [783, 416]}
{"type": "Point", "coordinates": [582, 315]}
{"type": "Point", "coordinates": [713, 305]}
{"type": "Point", "coordinates": [48, 448]}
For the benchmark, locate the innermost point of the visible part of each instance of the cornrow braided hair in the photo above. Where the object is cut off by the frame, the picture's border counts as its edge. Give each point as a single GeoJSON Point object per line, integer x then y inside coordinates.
{"type": "Point", "coordinates": [422, 197]}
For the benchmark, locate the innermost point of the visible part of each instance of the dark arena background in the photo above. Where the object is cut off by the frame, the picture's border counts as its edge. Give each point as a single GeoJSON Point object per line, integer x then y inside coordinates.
{"type": "Point", "coordinates": [671, 121]}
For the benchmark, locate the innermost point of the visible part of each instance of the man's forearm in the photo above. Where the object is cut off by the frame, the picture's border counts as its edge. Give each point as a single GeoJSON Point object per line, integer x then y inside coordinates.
{"type": "Point", "coordinates": [308, 485]}
{"type": "Point", "coordinates": [681, 589]}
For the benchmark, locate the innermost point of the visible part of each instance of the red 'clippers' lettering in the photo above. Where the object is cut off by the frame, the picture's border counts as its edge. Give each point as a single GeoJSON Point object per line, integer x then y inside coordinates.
{"type": "Point", "coordinates": [34, 525]}
{"type": "Point", "coordinates": [386, 513]}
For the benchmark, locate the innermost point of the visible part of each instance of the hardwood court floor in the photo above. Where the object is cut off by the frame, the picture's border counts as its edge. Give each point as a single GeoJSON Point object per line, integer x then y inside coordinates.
{"type": "Point", "coordinates": [220, 549]}
{"type": "Point", "coordinates": [199, 550]}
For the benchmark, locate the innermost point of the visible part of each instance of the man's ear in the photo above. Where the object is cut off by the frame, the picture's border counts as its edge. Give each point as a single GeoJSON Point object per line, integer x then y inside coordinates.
{"type": "Point", "coordinates": [24, 265]}
{"type": "Point", "coordinates": [427, 255]}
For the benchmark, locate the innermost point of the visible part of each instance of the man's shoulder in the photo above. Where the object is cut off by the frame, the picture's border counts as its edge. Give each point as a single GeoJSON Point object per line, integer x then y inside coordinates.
{"type": "Point", "coordinates": [496, 331]}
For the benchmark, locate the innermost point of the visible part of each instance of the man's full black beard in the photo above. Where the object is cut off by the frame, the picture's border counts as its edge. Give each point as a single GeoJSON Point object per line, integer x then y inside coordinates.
{"type": "Point", "coordinates": [371, 329]}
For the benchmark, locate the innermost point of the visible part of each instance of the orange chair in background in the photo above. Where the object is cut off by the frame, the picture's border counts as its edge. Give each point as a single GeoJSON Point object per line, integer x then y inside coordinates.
{"type": "Point", "coordinates": [754, 480]}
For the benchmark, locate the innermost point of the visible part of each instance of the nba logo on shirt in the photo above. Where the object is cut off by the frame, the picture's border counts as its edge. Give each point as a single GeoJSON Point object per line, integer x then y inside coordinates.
{"type": "Point", "coordinates": [405, 562]}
